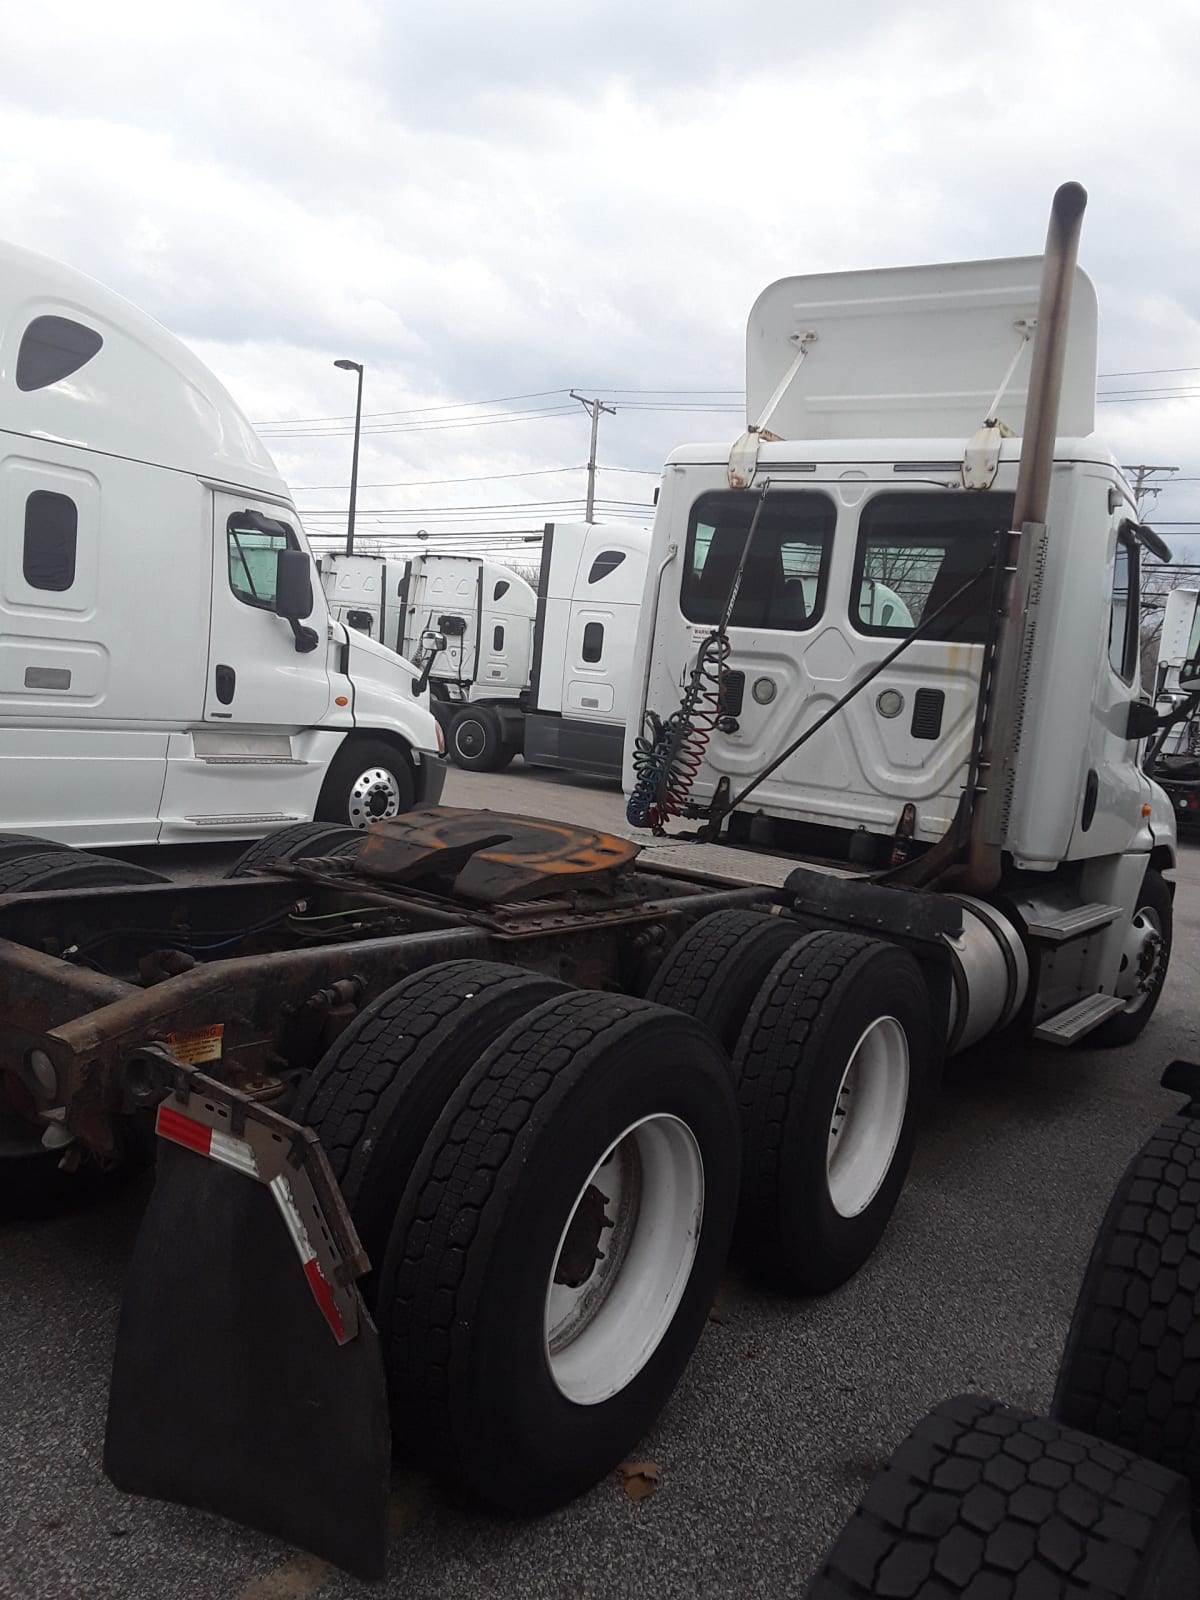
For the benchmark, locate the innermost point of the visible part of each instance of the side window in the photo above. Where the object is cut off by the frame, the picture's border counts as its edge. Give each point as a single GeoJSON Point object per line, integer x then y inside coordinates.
{"type": "Point", "coordinates": [498, 637]}
{"type": "Point", "coordinates": [1125, 610]}
{"type": "Point", "coordinates": [593, 641]}
{"type": "Point", "coordinates": [607, 561]}
{"type": "Point", "coordinates": [51, 536]}
{"type": "Point", "coordinates": [916, 552]}
{"type": "Point", "coordinates": [254, 545]}
{"type": "Point", "coordinates": [360, 621]}
{"type": "Point", "coordinates": [783, 584]}
{"type": "Point", "coordinates": [52, 348]}
{"type": "Point", "coordinates": [501, 589]}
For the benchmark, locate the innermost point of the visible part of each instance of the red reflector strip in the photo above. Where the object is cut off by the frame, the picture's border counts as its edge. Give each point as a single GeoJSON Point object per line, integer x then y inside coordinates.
{"type": "Point", "coordinates": [323, 1295]}
{"type": "Point", "coordinates": [322, 1289]}
{"type": "Point", "coordinates": [206, 1141]}
{"type": "Point", "coordinates": [182, 1130]}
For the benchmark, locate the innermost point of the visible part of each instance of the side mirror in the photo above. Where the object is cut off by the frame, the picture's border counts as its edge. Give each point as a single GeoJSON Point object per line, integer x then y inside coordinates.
{"type": "Point", "coordinates": [293, 585]}
{"type": "Point", "coordinates": [1189, 676]}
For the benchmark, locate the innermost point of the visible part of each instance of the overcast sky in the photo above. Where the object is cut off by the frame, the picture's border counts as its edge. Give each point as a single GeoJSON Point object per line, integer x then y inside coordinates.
{"type": "Point", "coordinates": [482, 201]}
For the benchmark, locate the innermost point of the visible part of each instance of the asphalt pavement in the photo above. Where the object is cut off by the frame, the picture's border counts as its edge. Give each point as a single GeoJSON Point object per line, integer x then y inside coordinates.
{"type": "Point", "coordinates": [785, 1412]}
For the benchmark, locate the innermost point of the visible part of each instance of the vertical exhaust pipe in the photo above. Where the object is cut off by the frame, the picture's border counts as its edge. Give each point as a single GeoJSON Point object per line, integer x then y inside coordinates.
{"type": "Point", "coordinates": [1007, 689]}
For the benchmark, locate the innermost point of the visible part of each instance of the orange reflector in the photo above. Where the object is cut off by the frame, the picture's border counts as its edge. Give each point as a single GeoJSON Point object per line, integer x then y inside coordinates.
{"type": "Point", "coordinates": [1146, 810]}
{"type": "Point", "coordinates": [340, 700]}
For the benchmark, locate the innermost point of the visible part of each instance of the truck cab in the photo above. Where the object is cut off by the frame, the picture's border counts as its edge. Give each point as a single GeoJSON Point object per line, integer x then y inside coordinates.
{"type": "Point", "coordinates": [784, 697]}
{"type": "Point", "coordinates": [153, 687]}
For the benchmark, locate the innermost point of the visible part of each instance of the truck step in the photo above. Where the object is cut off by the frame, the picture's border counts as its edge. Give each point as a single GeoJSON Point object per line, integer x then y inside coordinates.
{"type": "Point", "coordinates": [1065, 1026]}
{"type": "Point", "coordinates": [1054, 927]}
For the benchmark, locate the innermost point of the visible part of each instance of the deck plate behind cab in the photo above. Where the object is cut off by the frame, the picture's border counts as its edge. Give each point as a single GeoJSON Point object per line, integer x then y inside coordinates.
{"type": "Point", "coordinates": [492, 858]}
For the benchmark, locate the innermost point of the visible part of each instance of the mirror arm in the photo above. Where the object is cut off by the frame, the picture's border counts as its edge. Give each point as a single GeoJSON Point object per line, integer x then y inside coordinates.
{"type": "Point", "coordinates": [306, 638]}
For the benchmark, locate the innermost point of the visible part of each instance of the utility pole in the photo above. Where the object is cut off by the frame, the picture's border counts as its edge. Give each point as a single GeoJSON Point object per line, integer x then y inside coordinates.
{"type": "Point", "coordinates": [593, 409]}
{"type": "Point", "coordinates": [1142, 487]}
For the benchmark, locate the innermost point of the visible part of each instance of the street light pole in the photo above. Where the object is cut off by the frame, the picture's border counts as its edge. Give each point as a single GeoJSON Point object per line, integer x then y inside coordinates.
{"type": "Point", "coordinates": [353, 366]}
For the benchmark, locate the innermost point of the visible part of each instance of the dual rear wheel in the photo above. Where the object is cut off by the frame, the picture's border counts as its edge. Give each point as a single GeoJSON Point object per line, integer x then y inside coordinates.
{"type": "Point", "coordinates": [547, 1181]}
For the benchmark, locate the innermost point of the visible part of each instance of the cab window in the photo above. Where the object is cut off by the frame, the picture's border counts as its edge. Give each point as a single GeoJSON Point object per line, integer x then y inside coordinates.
{"type": "Point", "coordinates": [783, 583]}
{"type": "Point", "coordinates": [1124, 610]}
{"type": "Point", "coordinates": [916, 552]}
{"type": "Point", "coordinates": [254, 545]}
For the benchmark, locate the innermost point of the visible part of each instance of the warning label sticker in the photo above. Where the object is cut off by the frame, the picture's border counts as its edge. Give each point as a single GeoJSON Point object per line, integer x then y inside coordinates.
{"type": "Point", "coordinates": [194, 1045]}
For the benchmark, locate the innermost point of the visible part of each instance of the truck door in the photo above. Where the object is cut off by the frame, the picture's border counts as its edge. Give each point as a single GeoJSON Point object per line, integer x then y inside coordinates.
{"type": "Point", "coordinates": [256, 676]}
{"type": "Point", "coordinates": [1115, 787]}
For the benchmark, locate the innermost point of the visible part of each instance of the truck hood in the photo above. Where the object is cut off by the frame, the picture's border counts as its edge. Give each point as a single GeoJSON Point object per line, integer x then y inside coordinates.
{"type": "Point", "coordinates": [383, 692]}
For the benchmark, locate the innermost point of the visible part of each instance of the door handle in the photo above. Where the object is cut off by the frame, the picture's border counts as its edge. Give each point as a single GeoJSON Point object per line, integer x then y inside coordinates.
{"type": "Point", "coordinates": [226, 683]}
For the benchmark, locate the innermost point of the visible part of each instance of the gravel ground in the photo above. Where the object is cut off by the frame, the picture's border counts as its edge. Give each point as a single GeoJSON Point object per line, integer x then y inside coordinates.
{"type": "Point", "coordinates": [785, 1412]}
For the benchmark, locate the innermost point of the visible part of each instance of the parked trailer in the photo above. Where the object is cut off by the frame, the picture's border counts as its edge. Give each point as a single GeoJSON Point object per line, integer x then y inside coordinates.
{"type": "Point", "coordinates": [169, 672]}
{"type": "Point", "coordinates": [490, 1057]}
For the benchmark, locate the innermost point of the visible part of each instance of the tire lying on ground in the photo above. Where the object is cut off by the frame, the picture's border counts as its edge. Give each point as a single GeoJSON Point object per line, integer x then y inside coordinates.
{"type": "Point", "coordinates": [69, 869]}
{"type": "Point", "coordinates": [293, 844]}
{"type": "Point", "coordinates": [15, 845]}
{"type": "Point", "coordinates": [985, 1501]}
{"type": "Point", "coordinates": [558, 1248]}
{"type": "Point", "coordinates": [375, 1096]}
{"type": "Point", "coordinates": [830, 1067]}
{"type": "Point", "coordinates": [1130, 1371]}
{"type": "Point", "coordinates": [715, 970]}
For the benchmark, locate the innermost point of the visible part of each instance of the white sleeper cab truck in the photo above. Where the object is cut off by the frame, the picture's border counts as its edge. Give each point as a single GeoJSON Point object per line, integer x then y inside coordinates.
{"type": "Point", "coordinates": [928, 430]}
{"type": "Point", "coordinates": [168, 669]}
{"type": "Point", "coordinates": [543, 675]}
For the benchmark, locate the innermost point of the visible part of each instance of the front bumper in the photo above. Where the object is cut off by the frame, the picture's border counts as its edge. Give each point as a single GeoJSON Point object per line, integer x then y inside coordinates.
{"type": "Point", "coordinates": [431, 777]}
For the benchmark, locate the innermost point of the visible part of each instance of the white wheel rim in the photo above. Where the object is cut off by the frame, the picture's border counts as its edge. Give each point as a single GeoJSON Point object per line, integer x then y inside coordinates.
{"type": "Point", "coordinates": [636, 1223]}
{"type": "Point", "coordinates": [374, 797]}
{"type": "Point", "coordinates": [868, 1115]}
{"type": "Point", "coordinates": [1140, 959]}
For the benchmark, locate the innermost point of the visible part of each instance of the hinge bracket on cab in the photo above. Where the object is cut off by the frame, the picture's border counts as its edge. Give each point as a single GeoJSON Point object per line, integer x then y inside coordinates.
{"type": "Point", "coordinates": [743, 456]}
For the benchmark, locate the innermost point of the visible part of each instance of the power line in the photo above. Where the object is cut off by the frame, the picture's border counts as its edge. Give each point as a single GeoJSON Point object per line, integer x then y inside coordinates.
{"type": "Point", "coordinates": [422, 483]}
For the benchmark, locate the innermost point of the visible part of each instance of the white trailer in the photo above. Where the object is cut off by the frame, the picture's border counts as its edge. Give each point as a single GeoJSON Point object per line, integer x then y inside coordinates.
{"type": "Point", "coordinates": [992, 754]}
{"type": "Point", "coordinates": [168, 671]}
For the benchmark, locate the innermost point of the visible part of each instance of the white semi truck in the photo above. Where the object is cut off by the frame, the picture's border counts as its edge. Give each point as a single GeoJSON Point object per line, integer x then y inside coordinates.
{"type": "Point", "coordinates": [526, 1083]}
{"type": "Point", "coordinates": [168, 670]}
{"type": "Point", "coordinates": [981, 748]}
{"type": "Point", "coordinates": [512, 671]}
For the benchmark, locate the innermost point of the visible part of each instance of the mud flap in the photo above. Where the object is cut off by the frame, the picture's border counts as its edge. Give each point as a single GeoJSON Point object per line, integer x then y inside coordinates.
{"type": "Point", "coordinates": [241, 1383]}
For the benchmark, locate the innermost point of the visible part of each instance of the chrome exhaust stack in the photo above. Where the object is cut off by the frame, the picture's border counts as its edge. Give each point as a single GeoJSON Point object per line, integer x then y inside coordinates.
{"type": "Point", "coordinates": [1006, 691]}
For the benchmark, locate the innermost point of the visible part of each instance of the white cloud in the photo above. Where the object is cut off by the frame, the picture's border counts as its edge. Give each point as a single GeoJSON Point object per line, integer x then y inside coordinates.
{"type": "Point", "coordinates": [481, 201]}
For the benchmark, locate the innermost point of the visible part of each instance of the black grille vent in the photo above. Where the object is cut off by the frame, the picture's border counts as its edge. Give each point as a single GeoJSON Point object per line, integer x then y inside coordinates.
{"type": "Point", "coordinates": [928, 705]}
{"type": "Point", "coordinates": [733, 692]}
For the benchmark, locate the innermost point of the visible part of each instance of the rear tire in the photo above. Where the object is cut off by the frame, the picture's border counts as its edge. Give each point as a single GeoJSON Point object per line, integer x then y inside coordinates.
{"type": "Point", "coordinates": [476, 740]}
{"type": "Point", "coordinates": [984, 1500]}
{"type": "Point", "coordinates": [1130, 1371]}
{"type": "Point", "coordinates": [293, 844]}
{"type": "Point", "coordinates": [70, 869]}
{"type": "Point", "coordinates": [368, 781]}
{"type": "Point", "coordinates": [830, 1067]}
{"type": "Point", "coordinates": [714, 972]}
{"type": "Point", "coordinates": [375, 1096]}
{"type": "Point", "coordinates": [517, 1361]}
